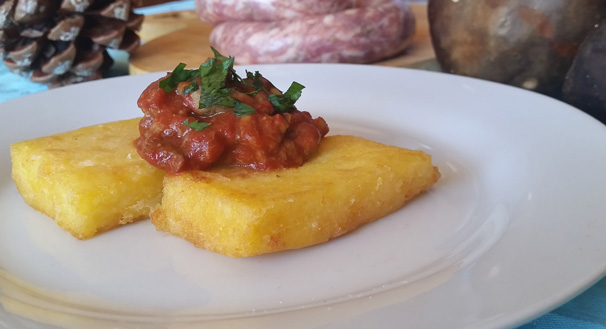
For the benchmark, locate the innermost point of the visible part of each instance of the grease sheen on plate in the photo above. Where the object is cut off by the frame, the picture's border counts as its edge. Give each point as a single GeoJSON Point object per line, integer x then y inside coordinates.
{"type": "Point", "coordinates": [475, 249]}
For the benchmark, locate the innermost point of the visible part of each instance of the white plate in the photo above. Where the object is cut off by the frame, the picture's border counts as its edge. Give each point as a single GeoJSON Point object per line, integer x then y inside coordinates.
{"type": "Point", "coordinates": [513, 228]}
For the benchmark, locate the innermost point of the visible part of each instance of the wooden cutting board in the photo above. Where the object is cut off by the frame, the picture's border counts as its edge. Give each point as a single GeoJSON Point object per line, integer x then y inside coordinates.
{"type": "Point", "coordinates": [176, 37]}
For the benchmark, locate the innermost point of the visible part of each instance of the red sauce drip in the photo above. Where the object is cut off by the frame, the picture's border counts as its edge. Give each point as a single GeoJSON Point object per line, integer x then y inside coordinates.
{"type": "Point", "coordinates": [265, 140]}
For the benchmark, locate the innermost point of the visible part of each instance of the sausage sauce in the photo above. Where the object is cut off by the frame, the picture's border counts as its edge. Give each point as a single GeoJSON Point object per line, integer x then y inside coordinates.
{"type": "Point", "coordinates": [177, 133]}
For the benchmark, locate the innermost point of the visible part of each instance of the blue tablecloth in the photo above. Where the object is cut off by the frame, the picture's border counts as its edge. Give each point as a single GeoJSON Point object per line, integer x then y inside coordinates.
{"type": "Point", "coordinates": [586, 311]}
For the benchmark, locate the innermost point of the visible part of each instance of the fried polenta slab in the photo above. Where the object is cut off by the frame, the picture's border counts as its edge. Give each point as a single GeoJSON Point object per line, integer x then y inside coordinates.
{"type": "Point", "coordinates": [88, 180]}
{"type": "Point", "coordinates": [349, 182]}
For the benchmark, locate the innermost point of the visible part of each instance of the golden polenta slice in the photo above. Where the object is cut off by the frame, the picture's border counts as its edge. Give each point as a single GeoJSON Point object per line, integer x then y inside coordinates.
{"type": "Point", "coordinates": [349, 182]}
{"type": "Point", "coordinates": [88, 180]}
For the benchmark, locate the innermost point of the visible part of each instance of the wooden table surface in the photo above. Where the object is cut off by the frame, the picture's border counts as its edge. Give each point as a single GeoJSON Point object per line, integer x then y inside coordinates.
{"type": "Point", "coordinates": [175, 37]}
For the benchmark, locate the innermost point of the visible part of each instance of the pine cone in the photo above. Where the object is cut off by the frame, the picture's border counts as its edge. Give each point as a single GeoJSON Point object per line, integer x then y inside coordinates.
{"type": "Point", "coordinates": [60, 42]}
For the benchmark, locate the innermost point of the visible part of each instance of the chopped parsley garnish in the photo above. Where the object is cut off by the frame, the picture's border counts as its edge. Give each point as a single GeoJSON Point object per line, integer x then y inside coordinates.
{"type": "Point", "coordinates": [256, 78]}
{"type": "Point", "coordinates": [214, 76]}
{"type": "Point", "coordinates": [218, 55]}
{"type": "Point", "coordinates": [196, 125]}
{"type": "Point", "coordinates": [285, 101]}
{"type": "Point", "coordinates": [178, 75]}
{"type": "Point", "coordinates": [242, 110]}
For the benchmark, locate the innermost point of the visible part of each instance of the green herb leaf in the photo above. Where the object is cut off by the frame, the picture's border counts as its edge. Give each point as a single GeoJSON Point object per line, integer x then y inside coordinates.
{"type": "Point", "coordinates": [242, 110]}
{"type": "Point", "coordinates": [294, 92]}
{"type": "Point", "coordinates": [196, 125]}
{"type": "Point", "coordinates": [213, 76]}
{"type": "Point", "coordinates": [218, 54]}
{"type": "Point", "coordinates": [178, 75]}
{"type": "Point", "coordinates": [257, 81]}
{"type": "Point", "coordinates": [288, 99]}
{"type": "Point", "coordinates": [220, 97]}
{"type": "Point", "coordinates": [256, 84]}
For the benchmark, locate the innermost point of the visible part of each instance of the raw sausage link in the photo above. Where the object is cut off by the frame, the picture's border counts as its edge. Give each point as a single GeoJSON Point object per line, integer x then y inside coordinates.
{"type": "Point", "coordinates": [377, 30]}
{"type": "Point", "coordinates": [216, 11]}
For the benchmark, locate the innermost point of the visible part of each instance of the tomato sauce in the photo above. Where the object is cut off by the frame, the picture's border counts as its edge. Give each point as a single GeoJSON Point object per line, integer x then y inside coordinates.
{"type": "Point", "coordinates": [264, 140]}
